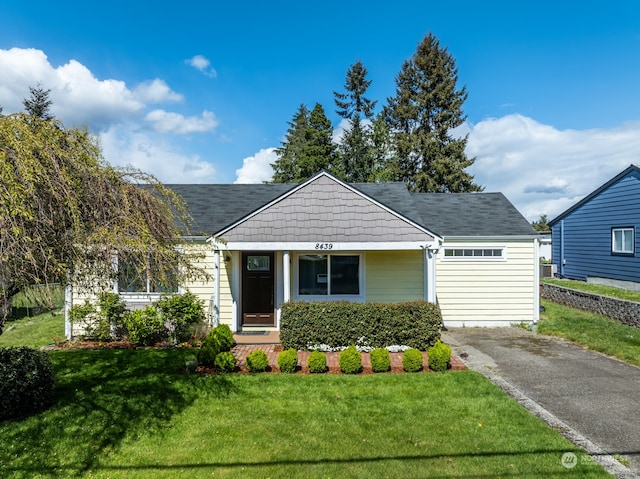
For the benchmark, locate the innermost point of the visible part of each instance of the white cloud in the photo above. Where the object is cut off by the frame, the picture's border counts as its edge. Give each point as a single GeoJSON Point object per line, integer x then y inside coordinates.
{"type": "Point", "coordinates": [257, 168]}
{"type": "Point", "coordinates": [156, 91]}
{"type": "Point", "coordinates": [202, 64]}
{"type": "Point", "coordinates": [122, 146]}
{"type": "Point", "coordinates": [79, 98]}
{"type": "Point", "coordinates": [543, 170]}
{"type": "Point", "coordinates": [169, 122]}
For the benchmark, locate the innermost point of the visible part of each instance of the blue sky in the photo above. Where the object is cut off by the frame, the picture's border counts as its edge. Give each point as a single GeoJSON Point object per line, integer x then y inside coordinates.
{"type": "Point", "coordinates": [202, 91]}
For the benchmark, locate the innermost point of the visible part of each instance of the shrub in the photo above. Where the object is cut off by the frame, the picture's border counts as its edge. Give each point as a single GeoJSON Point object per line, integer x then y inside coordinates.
{"type": "Point", "coordinates": [257, 361]}
{"type": "Point", "coordinates": [224, 337]}
{"type": "Point", "coordinates": [338, 324]}
{"type": "Point", "coordinates": [191, 364]}
{"type": "Point", "coordinates": [412, 360]}
{"type": "Point", "coordinates": [27, 382]}
{"type": "Point", "coordinates": [350, 360]}
{"type": "Point", "coordinates": [380, 360]}
{"type": "Point", "coordinates": [101, 323]}
{"type": "Point", "coordinates": [145, 326]}
{"type": "Point", "coordinates": [208, 351]}
{"type": "Point", "coordinates": [181, 312]}
{"type": "Point", "coordinates": [439, 356]}
{"type": "Point", "coordinates": [317, 362]}
{"type": "Point", "coordinates": [288, 361]}
{"type": "Point", "coordinates": [225, 362]}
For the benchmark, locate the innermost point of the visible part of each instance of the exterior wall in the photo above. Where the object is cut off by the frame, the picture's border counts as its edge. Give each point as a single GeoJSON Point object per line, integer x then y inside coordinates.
{"type": "Point", "coordinates": [394, 276]}
{"type": "Point", "coordinates": [489, 292]}
{"type": "Point", "coordinates": [587, 234]}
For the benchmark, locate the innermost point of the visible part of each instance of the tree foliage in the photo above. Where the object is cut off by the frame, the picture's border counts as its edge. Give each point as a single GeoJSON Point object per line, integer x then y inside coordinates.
{"type": "Point", "coordinates": [39, 103]}
{"type": "Point", "coordinates": [65, 212]}
{"type": "Point", "coordinates": [308, 147]}
{"type": "Point", "coordinates": [426, 109]}
{"type": "Point", "coordinates": [542, 224]}
{"type": "Point", "coordinates": [356, 149]}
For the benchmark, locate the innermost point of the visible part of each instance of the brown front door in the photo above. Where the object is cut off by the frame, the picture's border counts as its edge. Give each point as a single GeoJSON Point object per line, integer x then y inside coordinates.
{"type": "Point", "coordinates": [258, 289]}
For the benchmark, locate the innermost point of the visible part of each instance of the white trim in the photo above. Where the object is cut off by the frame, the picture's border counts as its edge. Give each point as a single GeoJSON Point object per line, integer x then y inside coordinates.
{"type": "Point", "coordinates": [476, 239]}
{"type": "Point", "coordinates": [328, 247]}
{"type": "Point", "coordinates": [624, 230]}
{"type": "Point", "coordinates": [286, 276]}
{"type": "Point", "coordinates": [311, 180]}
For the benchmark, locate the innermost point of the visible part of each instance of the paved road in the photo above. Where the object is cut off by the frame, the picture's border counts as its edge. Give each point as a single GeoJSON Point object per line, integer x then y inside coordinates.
{"type": "Point", "coordinates": [593, 399]}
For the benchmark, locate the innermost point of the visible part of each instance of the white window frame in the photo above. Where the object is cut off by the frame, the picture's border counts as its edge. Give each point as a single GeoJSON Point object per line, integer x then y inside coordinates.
{"type": "Point", "coordinates": [623, 230]}
{"type": "Point", "coordinates": [478, 253]}
{"type": "Point", "coordinates": [329, 297]}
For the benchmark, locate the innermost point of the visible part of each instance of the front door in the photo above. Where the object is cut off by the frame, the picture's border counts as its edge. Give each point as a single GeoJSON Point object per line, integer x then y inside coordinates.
{"type": "Point", "coordinates": [258, 289]}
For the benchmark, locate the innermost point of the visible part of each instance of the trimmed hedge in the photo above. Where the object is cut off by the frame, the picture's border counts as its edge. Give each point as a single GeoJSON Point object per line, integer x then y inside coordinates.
{"type": "Point", "coordinates": [257, 361]}
{"type": "Point", "coordinates": [350, 360]}
{"type": "Point", "coordinates": [412, 361]}
{"type": "Point", "coordinates": [338, 324]}
{"type": "Point", "coordinates": [288, 361]}
{"type": "Point", "coordinates": [317, 362]}
{"type": "Point", "coordinates": [380, 360]}
{"type": "Point", "coordinates": [27, 382]}
{"type": "Point", "coordinates": [439, 357]}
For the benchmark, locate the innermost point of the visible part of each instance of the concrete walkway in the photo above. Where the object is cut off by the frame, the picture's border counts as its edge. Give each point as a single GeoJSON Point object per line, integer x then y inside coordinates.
{"type": "Point", "coordinates": [590, 398]}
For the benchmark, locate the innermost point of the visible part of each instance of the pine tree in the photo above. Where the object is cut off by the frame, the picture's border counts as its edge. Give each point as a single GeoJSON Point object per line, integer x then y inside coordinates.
{"type": "Point", "coordinates": [308, 148]}
{"type": "Point", "coordinates": [39, 103]}
{"type": "Point", "coordinates": [286, 168]}
{"type": "Point", "coordinates": [356, 146]}
{"type": "Point", "coordinates": [421, 117]}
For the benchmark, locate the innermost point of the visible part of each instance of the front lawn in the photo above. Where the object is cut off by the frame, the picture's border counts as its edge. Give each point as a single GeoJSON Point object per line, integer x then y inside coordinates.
{"type": "Point", "coordinates": [132, 413]}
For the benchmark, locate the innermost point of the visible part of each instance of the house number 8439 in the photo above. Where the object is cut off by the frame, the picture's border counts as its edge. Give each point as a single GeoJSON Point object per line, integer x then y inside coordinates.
{"type": "Point", "coordinates": [324, 245]}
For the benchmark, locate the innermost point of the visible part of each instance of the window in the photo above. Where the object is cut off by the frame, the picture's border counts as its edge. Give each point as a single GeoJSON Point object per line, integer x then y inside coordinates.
{"type": "Point", "coordinates": [133, 280]}
{"type": "Point", "coordinates": [622, 240]}
{"type": "Point", "coordinates": [490, 253]}
{"type": "Point", "coordinates": [328, 275]}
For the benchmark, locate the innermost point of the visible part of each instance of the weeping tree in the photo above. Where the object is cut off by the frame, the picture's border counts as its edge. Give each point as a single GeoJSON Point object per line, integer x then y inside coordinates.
{"type": "Point", "coordinates": [422, 117]}
{"type": "Point", "coordinates": [66, 214]}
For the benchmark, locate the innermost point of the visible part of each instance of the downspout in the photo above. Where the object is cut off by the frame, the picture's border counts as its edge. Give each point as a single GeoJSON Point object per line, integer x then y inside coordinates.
{"type": "Point", "coordinates": [216, 288]}
{"type": "Point", "coordinates": [562, 248]}
{"type": "Point", "coordinates": [536, 288]}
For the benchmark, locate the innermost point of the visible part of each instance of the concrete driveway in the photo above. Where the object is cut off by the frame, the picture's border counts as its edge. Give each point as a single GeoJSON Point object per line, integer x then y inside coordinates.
{"type": "Point", "coordinates": [592, 399]}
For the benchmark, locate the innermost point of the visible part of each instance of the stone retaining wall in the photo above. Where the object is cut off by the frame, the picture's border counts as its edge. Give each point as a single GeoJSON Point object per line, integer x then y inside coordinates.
{"type": "Point", "coordinates": [627, 312]}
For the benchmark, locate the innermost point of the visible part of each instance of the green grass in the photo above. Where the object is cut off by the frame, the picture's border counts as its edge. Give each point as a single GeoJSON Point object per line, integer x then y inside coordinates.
{"type": "Point", "coordinates": [595, 288]}
{"type": "Point", "coordinates": [132, 413]}
{"type": "Point", "coordinates": [40, 330]}
{"type": "Point", "coordinates": [594, 331]}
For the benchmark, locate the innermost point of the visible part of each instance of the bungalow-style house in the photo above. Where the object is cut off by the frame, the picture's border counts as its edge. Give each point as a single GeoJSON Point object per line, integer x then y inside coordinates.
{"type": "Point", "coordinates": [596, 239]}
{"type": "Point", "coordinates": [266, 244]}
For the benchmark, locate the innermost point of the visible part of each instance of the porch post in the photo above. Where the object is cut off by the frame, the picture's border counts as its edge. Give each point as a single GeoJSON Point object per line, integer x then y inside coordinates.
{"type": "Point", "coordinates": [286, 276]}
{"type": "Point", "coordinates": [430, 255]}
{"type": "Point", "coordinates": [216, 286]}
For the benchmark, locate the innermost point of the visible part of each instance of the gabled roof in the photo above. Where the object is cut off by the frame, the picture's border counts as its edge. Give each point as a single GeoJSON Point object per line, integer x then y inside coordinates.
{"type": "Point", "coordinates": [217, 207]}
{"type": "Point", "coordinates": [615, 179]}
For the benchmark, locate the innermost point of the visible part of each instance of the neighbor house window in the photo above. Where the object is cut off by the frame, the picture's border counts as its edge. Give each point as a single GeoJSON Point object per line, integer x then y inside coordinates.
{"type": "Point", "coordinates": [622, 240]}
{"type": "Point", "coordinates": [328, 275]}
{"type": "Point", "coordinates": [489, 253]}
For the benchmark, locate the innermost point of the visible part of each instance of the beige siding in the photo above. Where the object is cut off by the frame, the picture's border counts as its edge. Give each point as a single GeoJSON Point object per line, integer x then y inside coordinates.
{"type": "Point", "coordinates": [488, 292]}
{"type": "Point", "coordinates": [394, 276]}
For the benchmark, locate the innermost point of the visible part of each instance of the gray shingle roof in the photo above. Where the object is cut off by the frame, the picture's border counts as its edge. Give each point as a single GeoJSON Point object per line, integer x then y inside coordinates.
{"type": "Point", "coordinates": [216, 206]}
{"type": "Point", "coordinates": [471, 214]}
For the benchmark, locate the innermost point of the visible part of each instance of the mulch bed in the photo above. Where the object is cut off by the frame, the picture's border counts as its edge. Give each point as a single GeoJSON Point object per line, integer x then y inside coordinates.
{"type": "Point", "coordinates": [272, 351]}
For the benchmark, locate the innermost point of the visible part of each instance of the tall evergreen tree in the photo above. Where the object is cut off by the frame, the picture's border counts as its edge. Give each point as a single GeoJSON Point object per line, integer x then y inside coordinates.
{"type": "Point", "coordinates": [421, 117]}
{"type": "Point", "coordinates": [356, 147]}
{"type": "Point", "coordinates": [308, 147]}
{"type": "Point", "coordinates": [286, 168]}
{"type": "Point", "coordinates": [39, 103]}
